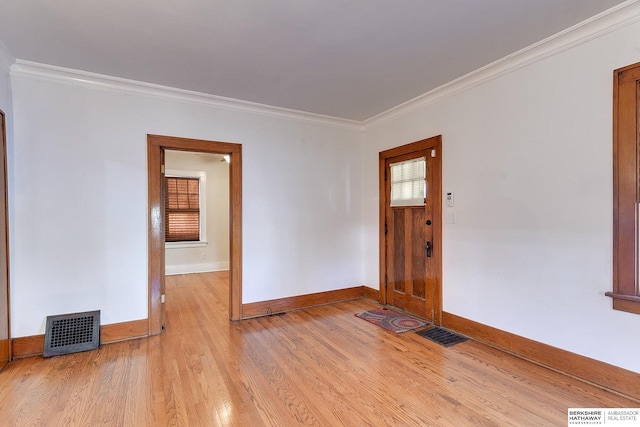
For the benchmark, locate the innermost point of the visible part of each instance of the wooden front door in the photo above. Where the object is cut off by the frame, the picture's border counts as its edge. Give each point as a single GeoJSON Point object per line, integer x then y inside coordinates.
{"type": "Point", "coordinates": [411, 229]}
{"type": "Point", "coordinates": [5, 335]}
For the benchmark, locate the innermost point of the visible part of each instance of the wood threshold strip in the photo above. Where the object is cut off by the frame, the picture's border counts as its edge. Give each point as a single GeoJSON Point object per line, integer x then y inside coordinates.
{"type": "Point", "coordinates": [115, 332]}
{"type": "Point", "coordinates": [282, 305]}
{"type": "Point", "coordinates": [601, 374]}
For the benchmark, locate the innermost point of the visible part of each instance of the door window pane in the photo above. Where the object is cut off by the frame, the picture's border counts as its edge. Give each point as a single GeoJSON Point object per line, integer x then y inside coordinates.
{"type": "Point", "coordinates": [408, 185]}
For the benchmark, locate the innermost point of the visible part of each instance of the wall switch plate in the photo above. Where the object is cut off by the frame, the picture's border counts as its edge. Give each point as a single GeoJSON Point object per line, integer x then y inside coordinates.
{"type": "Point", "coordinates": [451, 218]}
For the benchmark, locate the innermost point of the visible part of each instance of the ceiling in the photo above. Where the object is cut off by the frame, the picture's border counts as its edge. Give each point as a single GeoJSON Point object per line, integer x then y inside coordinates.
{"type": "Point", "coordinates": [350, 59]}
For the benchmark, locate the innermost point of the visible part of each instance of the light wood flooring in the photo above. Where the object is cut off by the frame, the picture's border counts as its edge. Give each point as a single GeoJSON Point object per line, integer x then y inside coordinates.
{"type": "Point", "coordinates": [317, 367]}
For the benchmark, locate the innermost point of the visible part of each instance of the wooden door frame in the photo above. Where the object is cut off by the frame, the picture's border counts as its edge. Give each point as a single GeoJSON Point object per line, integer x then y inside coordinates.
{"type": "Point", "coordinates": [626, 180]}
{"type": "Point", "coordinates": [433, 143]}
{"type": "Point", "coordinates": [156, 144]}
{"type": "Point", "coordinates": [3, 147]}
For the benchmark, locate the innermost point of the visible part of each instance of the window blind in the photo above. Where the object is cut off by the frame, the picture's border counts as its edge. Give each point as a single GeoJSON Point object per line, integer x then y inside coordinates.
{"type": "Point", "coordinates": [182, 209]}
{"type": "Point", "coordinates": [408, 185]}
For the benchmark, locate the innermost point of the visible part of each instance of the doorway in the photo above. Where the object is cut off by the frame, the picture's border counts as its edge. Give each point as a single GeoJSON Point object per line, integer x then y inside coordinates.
{"type": "Point", "coordinates": [197, 213]}
{"type": "Point", "coordinates": [156, 147]}
{"type": "Point", "coordinates": [411, 228]}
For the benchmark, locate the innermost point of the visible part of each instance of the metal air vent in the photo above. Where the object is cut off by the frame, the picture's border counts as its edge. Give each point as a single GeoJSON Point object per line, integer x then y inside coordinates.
{"type": "Point", "coordinates": [71, 333]}
{"type": "Point", "coordinates": [442, 336]}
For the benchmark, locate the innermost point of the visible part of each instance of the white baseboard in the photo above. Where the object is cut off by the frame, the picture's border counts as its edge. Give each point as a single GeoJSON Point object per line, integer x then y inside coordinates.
{"type": "Point", "coordinates": [196, 268]}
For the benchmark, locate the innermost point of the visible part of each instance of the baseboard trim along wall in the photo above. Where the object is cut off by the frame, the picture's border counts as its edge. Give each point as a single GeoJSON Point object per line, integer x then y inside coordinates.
{"type": "Point", "coordinates": [371, 293]}
{"type": "Point", "coordinates": [598, 373]}
{"type": "Point", "coordinates": [281, 305]}
{"type": "Point", "coordinates": [34, 345]}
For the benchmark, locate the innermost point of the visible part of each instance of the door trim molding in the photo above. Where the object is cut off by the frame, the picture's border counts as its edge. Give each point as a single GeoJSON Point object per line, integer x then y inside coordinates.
{"type": "Point", "coordinates": [625, 291]}
{"type": "Point", "coordinates": [434, 142]}
{"type": "Point", "coordinates": [6, 347]}
{"type": "Point", "coordinates": [156, 144]}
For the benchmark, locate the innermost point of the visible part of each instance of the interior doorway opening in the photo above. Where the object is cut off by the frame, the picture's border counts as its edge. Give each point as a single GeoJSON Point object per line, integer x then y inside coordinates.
{"type": "Point", "coordinates": [196, 212]}
{"type": "Point", "coordinates": [156, 149]}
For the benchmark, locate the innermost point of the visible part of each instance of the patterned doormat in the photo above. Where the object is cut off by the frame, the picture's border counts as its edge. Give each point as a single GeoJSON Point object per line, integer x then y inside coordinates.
{"type": "Point", "coordinates": [392, 320]}
{"type": "Point", "coordinates": [441, 336]}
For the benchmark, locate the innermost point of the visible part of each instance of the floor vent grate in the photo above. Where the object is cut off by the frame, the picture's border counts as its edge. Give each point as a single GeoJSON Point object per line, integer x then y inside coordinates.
{"type": "Point", "coordinates": [441, 336]}
{"type": "Point", "coordinates": [71, 333]}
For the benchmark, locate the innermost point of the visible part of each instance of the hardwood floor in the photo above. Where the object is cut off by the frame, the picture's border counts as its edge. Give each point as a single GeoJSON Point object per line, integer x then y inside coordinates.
{"type": "Point", "coordinates": [319, 367]}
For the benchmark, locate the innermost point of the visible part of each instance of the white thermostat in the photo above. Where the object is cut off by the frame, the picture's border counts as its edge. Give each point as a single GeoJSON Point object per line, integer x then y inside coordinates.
{"type": "Point", "coordinates": [449, 200]}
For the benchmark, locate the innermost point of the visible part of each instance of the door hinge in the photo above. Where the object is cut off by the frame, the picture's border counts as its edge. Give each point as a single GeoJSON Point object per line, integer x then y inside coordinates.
{"type": "Point", "coordinates": [385, 228]}
{"type": "Point", "coordinates": [385, 174]}
{"type": "Point", "coordinates": [161, 168]}
{"type": "Point", "coordinates": [163, 298]}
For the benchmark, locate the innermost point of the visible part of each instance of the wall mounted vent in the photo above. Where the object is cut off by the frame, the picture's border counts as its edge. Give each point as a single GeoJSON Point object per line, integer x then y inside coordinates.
{"type": "Point", "coordinates": [71, 333]}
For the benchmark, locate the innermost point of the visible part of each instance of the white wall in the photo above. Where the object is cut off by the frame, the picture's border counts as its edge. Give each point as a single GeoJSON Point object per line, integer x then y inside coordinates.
{"type": "Point", "coordinates": [6, 105]}
{"type": "Point", "coordinates": [6, 60]}
{"type": "Point", "coordinates": [5, 96]}
{"type": "Point", "coordinates": [529, 158]}
{"type": "Point", "coordinates": [81, 197]}
{"type": "Point", "coordinates": [214, 255]}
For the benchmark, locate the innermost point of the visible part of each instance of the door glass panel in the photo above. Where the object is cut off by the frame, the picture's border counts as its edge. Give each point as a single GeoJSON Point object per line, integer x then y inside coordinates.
{"type": "Point", "coordinates": [408, 185]}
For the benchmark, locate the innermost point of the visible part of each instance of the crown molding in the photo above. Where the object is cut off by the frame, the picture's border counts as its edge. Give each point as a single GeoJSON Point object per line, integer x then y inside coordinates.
{"type": "Point", "coordinates": [74, 77]}
{"type": "Point", "coordinates": [620, 16]}
{"type": "Point", "coordinates": [6, 58]}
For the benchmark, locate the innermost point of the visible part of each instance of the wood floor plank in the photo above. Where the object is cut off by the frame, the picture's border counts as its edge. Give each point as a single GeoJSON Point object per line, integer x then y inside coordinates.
{"type": "Point", "coordinates": [321, 366]}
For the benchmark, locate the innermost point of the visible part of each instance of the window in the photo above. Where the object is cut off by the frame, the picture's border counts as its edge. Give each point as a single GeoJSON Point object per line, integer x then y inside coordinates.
{"type": "Point", "coordinates": [408, 185]}
{"type": "Point", "coordinates": [626, 181]}
{"type": "Point", "coordinates": [184, 207]}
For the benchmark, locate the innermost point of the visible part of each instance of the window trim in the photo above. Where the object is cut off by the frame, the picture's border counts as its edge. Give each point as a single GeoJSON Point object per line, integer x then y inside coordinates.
{"type": "Point", "coordinates": [202, 177]}
{"type": "Point", "coordinates": [626, 181]}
